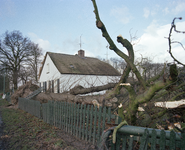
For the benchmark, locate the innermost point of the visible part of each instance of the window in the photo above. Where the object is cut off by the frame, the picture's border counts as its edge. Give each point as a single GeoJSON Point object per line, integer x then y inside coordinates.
{"type": "Point", "coordinates": [47, 68]}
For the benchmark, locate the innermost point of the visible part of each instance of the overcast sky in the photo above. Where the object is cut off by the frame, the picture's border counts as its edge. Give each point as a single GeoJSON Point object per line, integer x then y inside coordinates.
{"type": "Point", "coordinates": [57, 25]}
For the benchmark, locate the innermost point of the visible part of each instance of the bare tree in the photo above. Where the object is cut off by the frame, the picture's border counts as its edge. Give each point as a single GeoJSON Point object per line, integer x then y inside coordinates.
{"type": "Point", "coordinates": [15, 50]}
{"type": "Point", "coordinates": [26, 73]}
{"type": "Point", "coordinates": [35, 60]}
{"type": "Point", "coordinates": [170, 42]}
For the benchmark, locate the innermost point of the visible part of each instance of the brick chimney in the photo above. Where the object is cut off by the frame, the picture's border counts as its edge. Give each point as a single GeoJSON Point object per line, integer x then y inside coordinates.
{"type": "Point", "coordinates": [81, 53]}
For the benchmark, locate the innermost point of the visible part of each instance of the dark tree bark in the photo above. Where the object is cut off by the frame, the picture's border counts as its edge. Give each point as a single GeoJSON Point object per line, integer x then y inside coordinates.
{"type": "Point", "coordinates": [81, 90]}
{"type": "Point", "coordinates": [34, 61]}
{"type": "Point", "coordinates": [170, 42]}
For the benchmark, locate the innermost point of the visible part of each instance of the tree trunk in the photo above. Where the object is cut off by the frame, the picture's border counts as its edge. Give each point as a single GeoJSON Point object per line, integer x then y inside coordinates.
{"type": "Point", "coordinates": [15, 78]}
{"type": "Point", "coordinates": [81, 90]}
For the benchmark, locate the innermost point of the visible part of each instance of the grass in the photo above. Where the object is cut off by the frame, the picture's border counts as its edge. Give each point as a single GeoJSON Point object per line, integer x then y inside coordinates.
{"type": "Point", "coordinates": [23, 131]}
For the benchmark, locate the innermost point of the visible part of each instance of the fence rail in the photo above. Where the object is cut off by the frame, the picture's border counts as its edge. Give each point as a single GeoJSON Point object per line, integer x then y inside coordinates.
{"type": "Point", "coordinates": [140, 138]}
{"type": "Point", "coordinates": [84, 122]}
{"type": "Point", "coordinates": [36, 92]}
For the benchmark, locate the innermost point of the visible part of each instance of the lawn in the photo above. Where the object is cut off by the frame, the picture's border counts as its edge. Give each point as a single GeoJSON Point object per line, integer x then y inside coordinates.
{"type": "Point", "coordinates": [23, 131]}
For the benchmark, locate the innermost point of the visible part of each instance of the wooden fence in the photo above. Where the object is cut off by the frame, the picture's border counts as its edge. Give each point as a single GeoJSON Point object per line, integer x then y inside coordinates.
{"type": "Point", "coordinates": [140, 138]}
{"type": "Point", "coordinates": [88, 123]}
{"type": "Point", "coordinates": [84, 122]}
{"type": "Point", "coordinates": [30, 106]}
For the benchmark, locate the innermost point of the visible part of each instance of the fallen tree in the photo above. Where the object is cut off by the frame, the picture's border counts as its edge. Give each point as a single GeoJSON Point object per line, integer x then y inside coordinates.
{"type": "Point", "coordinates": [28, 88]}
{"type": "Point", "coordinates": [23, 91]}
{"type": "Point", "coordinates": [97, 100]}
{"type": "Point", "coordinates": [80, 90]}
{"type": "Point", "coordinates": [146, 90]}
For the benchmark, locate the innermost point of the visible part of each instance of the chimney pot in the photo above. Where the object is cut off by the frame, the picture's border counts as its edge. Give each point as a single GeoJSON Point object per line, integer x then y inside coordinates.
{"type": "Point", "coordinates": [81, 53]}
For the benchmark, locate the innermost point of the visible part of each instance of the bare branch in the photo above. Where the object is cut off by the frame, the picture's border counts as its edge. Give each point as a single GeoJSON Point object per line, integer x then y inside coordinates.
{"type": "Point", "coordinates": [173, 26]}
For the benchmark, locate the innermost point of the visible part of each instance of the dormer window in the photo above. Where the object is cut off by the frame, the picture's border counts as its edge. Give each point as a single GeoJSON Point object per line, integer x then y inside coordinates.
{"type": "Point", "coordinates": [71, 66]}
{"type": "Point", "coordinates": [47, 68]}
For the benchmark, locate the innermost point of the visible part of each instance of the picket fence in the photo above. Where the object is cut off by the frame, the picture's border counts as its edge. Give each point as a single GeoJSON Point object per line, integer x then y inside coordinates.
{"type": "Point", "coordinates": [84, 122]}
{"type": "Point", "coordinates": [140, 138]}
{"type": "Point", "coordinates": [88, 123]}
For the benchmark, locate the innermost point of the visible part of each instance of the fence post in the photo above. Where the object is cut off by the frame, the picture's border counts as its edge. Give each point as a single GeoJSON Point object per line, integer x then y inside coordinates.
{"type": "Point", "coordinates": [87, 123]}
{"type": "Point", "coordinates": [77, 121]}
{"type": "Point", "coordinates": [94, 128]}
{"type": "Point", "coordinates": [91, 119]}
{"type": "Point", "coordinates": [183, 139]}
{"type": "Point", "coordinates": [80, 128]}
{"type": "Point", "coordinates": [99, 122]}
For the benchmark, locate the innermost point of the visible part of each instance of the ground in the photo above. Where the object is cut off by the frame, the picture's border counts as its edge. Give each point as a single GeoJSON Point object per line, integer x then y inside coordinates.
{"type": "Point", "coordinates": [24, 131]}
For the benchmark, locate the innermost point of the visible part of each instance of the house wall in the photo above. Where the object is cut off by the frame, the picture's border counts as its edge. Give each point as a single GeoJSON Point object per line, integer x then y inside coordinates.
{"type": "Point", "coordinates": [49, 72]}
{"type": "Point", "coordinates": [69, 81]}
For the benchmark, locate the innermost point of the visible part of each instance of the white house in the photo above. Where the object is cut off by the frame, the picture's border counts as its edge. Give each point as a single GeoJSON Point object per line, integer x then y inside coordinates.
{"type": "Point", "coordinates": [61, 72]}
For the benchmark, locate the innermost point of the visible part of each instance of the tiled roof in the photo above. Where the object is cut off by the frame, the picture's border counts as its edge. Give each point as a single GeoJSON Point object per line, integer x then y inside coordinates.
{"type": "Point", "coordinates": [74, 64]}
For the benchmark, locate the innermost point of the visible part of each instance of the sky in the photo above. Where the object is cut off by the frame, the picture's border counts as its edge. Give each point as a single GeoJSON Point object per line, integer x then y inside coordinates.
{"type": "Point", "coordinates": [61, 25]}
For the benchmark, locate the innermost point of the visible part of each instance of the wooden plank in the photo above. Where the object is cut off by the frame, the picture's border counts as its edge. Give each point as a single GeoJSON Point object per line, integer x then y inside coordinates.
{"type": "Point", "coordinates": [77, 120]}
{"type": "Point", "coordinates": [99, 122]}
{"type": "Point", "coordinates": [109, 115]}
{"type": "Point", "coordinates": [72, 117]}
{"type": "Point", "coordinates": [87, 123]}
{"type": "Point", "coordinates": [58, 85]}
{"type": "Point", "coordinates": [144, 140]}
{"type": "Point", "coordinates": [172, 140]}
{"type": "Point", "coordinates": [113, 146]}
{"type": "Point", "coordinates": [84, 120]}
{"type": "Point", "coordinates": [124, 142]}
{"type": "Point", "coordinates": [153, 139]}
{"type": "Point", "coordinates": [162, 141]}
{"type": "Point", "coordinates": [131, 139]}
{"type": "Point", "coordinates": [103, 120]}
{"type": "Point", "coordinates": [94, 127]}
{"type": "Point", "coordinates": [63, 117]}
{"type": "Point", "coordinates": [182, 141]}
{"type": "Point", "coordinates": [69, 119]}
{"type": "Point", "coordinates": [118, 138]}
{"type": "Point", "coordinates": [91, 119]}
{"type": "Point", "coordinates": [43, 110]}
{"type": "Point", "coordinates": [80, 128]}
{"type": "Point", "coordinates": [60, 116]}
{"type": "Point", "coordinates": [52, 86]}
{"type": "Point", "coordinates": [47, 109]}
{"type": "Point", "coordinates": [54, 113]}
{"type": "Point", "coordinates": [67, 115]}
{"type": "Point", "coordinates": [50, 112]}
{"type": "Point", "coordinates": [58, 113]}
